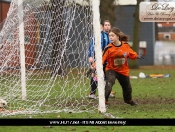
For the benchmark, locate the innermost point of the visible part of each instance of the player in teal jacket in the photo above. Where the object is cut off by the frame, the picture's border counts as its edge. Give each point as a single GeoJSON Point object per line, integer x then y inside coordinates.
{"type": "Point", "coordinates": [105, 27]}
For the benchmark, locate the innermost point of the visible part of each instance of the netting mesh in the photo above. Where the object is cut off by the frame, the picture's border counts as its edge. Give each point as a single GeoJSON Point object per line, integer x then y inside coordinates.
{"type": "Point", "coordinates": [56, 39]}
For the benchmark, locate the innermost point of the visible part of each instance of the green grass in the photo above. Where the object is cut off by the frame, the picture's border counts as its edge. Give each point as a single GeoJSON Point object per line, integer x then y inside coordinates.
{"type": "Point", "coordinates": [156, 98]}
{"type": "Point", "coordinates": [87, 129]}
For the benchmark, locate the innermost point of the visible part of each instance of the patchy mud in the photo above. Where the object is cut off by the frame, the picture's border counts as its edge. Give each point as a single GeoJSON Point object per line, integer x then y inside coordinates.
{"type": "Point", "coordinates": [117, 102]}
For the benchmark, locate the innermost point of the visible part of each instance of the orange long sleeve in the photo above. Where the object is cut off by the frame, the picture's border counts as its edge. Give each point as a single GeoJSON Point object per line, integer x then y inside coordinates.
{"type": "Point", "coordinates": [116, 57]}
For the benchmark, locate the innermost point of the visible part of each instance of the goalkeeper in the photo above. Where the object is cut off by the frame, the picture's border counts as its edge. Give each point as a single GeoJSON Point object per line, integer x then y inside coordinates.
{"type": "Point", "coordinates": [116, 54]}
{"type": "Point", "coordinates": [91, 54]}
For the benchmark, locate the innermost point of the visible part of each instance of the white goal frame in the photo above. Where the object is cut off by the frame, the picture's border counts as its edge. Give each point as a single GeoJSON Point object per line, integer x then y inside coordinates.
{"type": "Point", "coordinates": [38, 40]}
{"type": "Point", "coordinates": [98, 53]}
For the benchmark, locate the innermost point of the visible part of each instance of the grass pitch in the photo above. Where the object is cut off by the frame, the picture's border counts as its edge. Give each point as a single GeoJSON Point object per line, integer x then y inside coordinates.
{"type": "Point", "coordinates": [156, 98]}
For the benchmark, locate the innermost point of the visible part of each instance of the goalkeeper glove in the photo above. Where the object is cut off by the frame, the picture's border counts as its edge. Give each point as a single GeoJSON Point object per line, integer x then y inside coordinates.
{"type": "Point", "coordinates": [140, 57]}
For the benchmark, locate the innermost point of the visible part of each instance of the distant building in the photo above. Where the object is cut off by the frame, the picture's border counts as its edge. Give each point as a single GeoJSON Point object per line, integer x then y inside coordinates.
{"type": "Point", "coordinates": [125, 22]}
{"type": "Point", "coordinates": [11, 38]}
{"type": "Point", "coordinates": [4, 7]}
{"type": "Point", "coordinates": [166, 31]}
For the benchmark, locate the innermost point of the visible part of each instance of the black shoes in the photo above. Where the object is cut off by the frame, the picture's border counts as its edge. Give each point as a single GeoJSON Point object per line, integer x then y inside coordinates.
{"type": "Point", "coordinates": [132, 103]}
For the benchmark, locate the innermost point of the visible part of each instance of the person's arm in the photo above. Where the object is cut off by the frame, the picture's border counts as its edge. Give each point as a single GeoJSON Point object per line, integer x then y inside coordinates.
{"type": "Point", "coordinates": [102, 41]}
{"type": "Point", "coordinates": [91, 48]}
{"type": "Point", "coordinates": [105, 55]}
{"type": "Point", "coordinates": [132, 54]}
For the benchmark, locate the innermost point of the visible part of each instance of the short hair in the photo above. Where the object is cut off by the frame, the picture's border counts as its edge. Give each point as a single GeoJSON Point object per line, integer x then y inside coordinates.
{"type": "Point", "coordinates": [106, 21]}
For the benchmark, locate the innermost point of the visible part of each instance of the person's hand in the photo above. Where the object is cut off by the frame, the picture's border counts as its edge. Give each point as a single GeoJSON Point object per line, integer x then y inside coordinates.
{"type": "Point", "coordinates": [93, 65]}
{"type": "Point", "coordinates": [140, 57]}
{"type": "Point", "coordinates": [91, 59]}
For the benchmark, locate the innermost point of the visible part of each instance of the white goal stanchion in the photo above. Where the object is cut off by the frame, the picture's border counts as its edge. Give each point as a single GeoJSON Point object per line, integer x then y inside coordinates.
{"type": "Point", "coordinates": [98, 53]}
{"type": "Point", "coordinates": [22, 49]}
{"type": "Point", "coordinates": [43, 57]}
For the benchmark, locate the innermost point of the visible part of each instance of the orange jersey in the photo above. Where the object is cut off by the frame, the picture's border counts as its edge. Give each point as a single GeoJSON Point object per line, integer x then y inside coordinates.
{"type": "Point", "coordinates": [116, 57]}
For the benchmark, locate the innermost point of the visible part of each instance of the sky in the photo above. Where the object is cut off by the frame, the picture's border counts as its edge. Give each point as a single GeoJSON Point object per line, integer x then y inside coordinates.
{"type": "Point", "coordinates": [166, 0]}
{"type": "Point", "coordinates": [133, 2]}
{"type": "Point", "coordinates": [120, 2]}
{"type": "Point", "coordinates": [127, 2]}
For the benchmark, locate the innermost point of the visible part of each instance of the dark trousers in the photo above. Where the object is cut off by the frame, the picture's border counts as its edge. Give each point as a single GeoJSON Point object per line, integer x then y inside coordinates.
{"type": "Point", "coordinates": [93, 85]}
{"type": "Point", "coordinates": [124, 81]}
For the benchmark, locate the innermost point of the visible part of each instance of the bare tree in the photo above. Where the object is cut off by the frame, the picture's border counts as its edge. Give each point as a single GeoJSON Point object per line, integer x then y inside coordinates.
{"type": "Point", "coordinates": [107, 10]}
{"type": "Point", "coordinates": [136, 34]}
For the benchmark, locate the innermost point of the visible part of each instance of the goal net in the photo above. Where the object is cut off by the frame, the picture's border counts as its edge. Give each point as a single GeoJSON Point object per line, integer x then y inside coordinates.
{"type": "Point", "coordinates": [43, 57]}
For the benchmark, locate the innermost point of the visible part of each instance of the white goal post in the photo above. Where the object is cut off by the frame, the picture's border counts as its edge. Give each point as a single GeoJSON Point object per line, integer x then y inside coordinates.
{"type": "Point", "coordinates": [43, 57]}
{"type": "Point", "coordinates": [22, 49]}
{"type": "Point", "coordinates": [98, 53]}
